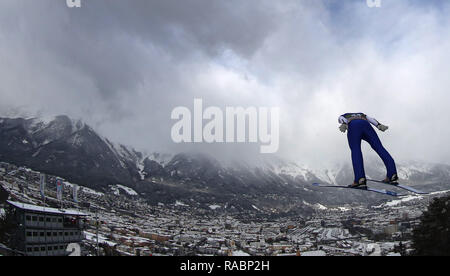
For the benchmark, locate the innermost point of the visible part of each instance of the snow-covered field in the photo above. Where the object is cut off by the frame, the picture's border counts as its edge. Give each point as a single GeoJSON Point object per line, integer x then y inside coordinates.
{"type": "Point", "coordinates": [408, 198]}
{"type": "Point", "coordinates": [128, 190]}
{"type": "Point", "coordinates": [317, 253]}
{"type": "Point", "coordinates": [90, 191]}
{"type": "Point", "coordinates": [180, 203]}
{"type": "Point", "coordinates": [399, 201]}
{"type": "Point", "coordinates": [240, 253]}
{"type": "Point", "coordinates": [101, 239]}
{"type": "Point", "coordinates": [214, 206]}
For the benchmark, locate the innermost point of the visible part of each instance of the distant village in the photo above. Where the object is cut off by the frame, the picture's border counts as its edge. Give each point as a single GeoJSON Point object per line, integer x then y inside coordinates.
{"type": "Point", "coordinates": [119, 222]}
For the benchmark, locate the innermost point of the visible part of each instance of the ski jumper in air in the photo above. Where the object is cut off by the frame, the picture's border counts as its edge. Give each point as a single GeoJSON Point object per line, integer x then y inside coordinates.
{"type": "Point", "coordinates": [359, 128]}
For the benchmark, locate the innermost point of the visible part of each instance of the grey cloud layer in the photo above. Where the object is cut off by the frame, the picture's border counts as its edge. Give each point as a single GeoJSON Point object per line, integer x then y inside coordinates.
{"type": "Point", "coordinates": [124, 65]}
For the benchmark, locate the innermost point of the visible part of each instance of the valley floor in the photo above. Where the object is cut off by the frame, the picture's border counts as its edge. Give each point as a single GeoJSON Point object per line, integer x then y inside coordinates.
{"type": "Point", "coordinates": [127, 225]}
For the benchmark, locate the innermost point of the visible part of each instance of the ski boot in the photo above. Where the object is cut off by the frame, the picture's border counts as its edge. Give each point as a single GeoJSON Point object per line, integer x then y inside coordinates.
{"type": "Point", "coordinates": [392, 181]}
{"type": "Point", "coordinates": [361, 184]}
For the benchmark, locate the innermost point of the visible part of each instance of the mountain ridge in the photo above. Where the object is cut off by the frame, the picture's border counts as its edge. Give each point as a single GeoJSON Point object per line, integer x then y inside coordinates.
{"type": "Point", "coordinates": [73, 150]}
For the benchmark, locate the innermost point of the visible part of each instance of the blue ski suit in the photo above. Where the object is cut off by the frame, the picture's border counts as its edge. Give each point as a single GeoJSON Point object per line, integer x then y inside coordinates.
{"type": "Point", "coordinates": [359, 129]}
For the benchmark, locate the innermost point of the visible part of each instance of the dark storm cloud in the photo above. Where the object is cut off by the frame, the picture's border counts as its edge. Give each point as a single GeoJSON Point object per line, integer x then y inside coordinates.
{"type": "Point", "coordinates": [174, 25]}
{"type": "Point", "coordinates": [115, 54]}
{"type": "Point", "coordinates": [122, 66]}
{"type": "Point", "coordinates": [105, 40]}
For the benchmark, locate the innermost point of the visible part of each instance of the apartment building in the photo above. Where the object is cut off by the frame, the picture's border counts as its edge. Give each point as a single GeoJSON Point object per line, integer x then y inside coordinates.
{"type": "Point", "coordinates": [44, 231]}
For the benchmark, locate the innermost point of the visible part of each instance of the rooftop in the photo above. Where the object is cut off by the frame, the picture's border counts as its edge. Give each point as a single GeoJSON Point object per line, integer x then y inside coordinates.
{"type": "Point", "coordinates": [40, 209]}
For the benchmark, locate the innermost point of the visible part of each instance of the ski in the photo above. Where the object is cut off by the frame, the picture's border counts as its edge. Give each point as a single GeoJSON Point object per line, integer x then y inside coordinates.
{"type": "Point", "coordinates": [398, 185]}
{"type": "Point", "coordinates": [383, 191]}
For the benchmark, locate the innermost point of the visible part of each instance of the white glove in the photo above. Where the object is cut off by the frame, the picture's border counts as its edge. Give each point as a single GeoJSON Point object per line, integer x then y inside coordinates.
{"type": "Point", "coordinates": [343, 128]}
{"type": "Point", "coordinates": [382, 127]}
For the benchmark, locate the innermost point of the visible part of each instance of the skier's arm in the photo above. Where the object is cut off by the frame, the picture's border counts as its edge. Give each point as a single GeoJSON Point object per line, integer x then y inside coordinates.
{"type": "Point", "coordinates": [342, 120]}
{"type": "Point", "coordinates": [372, 121]}
{"type": "Point", "coordinates": [344, 124]}
{"type": "Point", "coordinates": [377, 124]}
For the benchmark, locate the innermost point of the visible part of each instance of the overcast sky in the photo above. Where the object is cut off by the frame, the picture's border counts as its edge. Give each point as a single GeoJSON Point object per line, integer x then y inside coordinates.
{"type": "Point", "coordinates": [122, 66]}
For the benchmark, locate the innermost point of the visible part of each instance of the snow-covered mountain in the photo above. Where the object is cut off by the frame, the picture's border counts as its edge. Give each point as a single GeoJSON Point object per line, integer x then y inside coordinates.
{"type": "Point", "coordinates": [73, 150]}
{"type": "Point", "coordinates": [69, 148]}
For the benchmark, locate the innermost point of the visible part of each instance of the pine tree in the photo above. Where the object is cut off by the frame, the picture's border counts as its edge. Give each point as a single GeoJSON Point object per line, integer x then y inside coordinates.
{"type": "Point", "coordinates": [3, 195]}
{"type": "Point", "coordinates": [432, 236]}
{"type": "Point", "coordinates": [7, 226]}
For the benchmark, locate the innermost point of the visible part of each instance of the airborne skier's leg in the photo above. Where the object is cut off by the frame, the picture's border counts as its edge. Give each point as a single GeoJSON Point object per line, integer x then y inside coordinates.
{"type": "Point", "coordinates": [372, 138]}
{"type": "Point", "coordinates": [354, 135]}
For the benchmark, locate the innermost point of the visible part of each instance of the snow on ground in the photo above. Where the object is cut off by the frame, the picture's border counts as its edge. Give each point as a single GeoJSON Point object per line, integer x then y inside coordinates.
{"type": "Point", "coordinates": [2, 212]}
{"type": "Point", "coordinates": [320, 206]}
{"type": "Point", "coordinates": [440, 192]}
{"type": "Point", "coordinates": [90, 191]}
{"type": "Point", "coordinates": [117, 150]}
{"type": "Point", "coordinates": [214, 206]}
{"type": "Point", "coordinates": [396, 202]}
{"type": "Point", "coordinates": [128, 190]}
{"type": "Point", "coordinates": [316, 206]}
{"type": "Point", "coordinates": [294, 170]}
{"type": "Point", "coordinates": [314, 253]}
{"type": "Point", "coordinates": [36, 208]}
{"type": "Point", "coordinates": [161, 158]}
{"type": "Point", "coordinates": [101, 239]}
{"type": "Point", "coordinates": [115, 190]}
{"type": "Point", "coordinates": [38, 124]}
{"type": "Point", "coordinates": [179, 203]}
{"type": "Point", "coordinates": [240, 253]}
{"type": "Point", "coordinates": [409, 168]}
{"type": "Point", "coordinates": [399, 201]}
{"type": "Point", "coordinates": [141, 167]}
{"type": "Point", "coordinates": [373, 249]}
{"type": "Point", "coordinates": [327, 175]}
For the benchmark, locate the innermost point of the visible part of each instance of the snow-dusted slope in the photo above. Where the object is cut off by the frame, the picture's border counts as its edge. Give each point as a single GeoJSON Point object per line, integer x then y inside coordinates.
{"type": "Point", "coordinates": [73, 150]}
{"type": "Point", "coordinates": [68, 148]}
